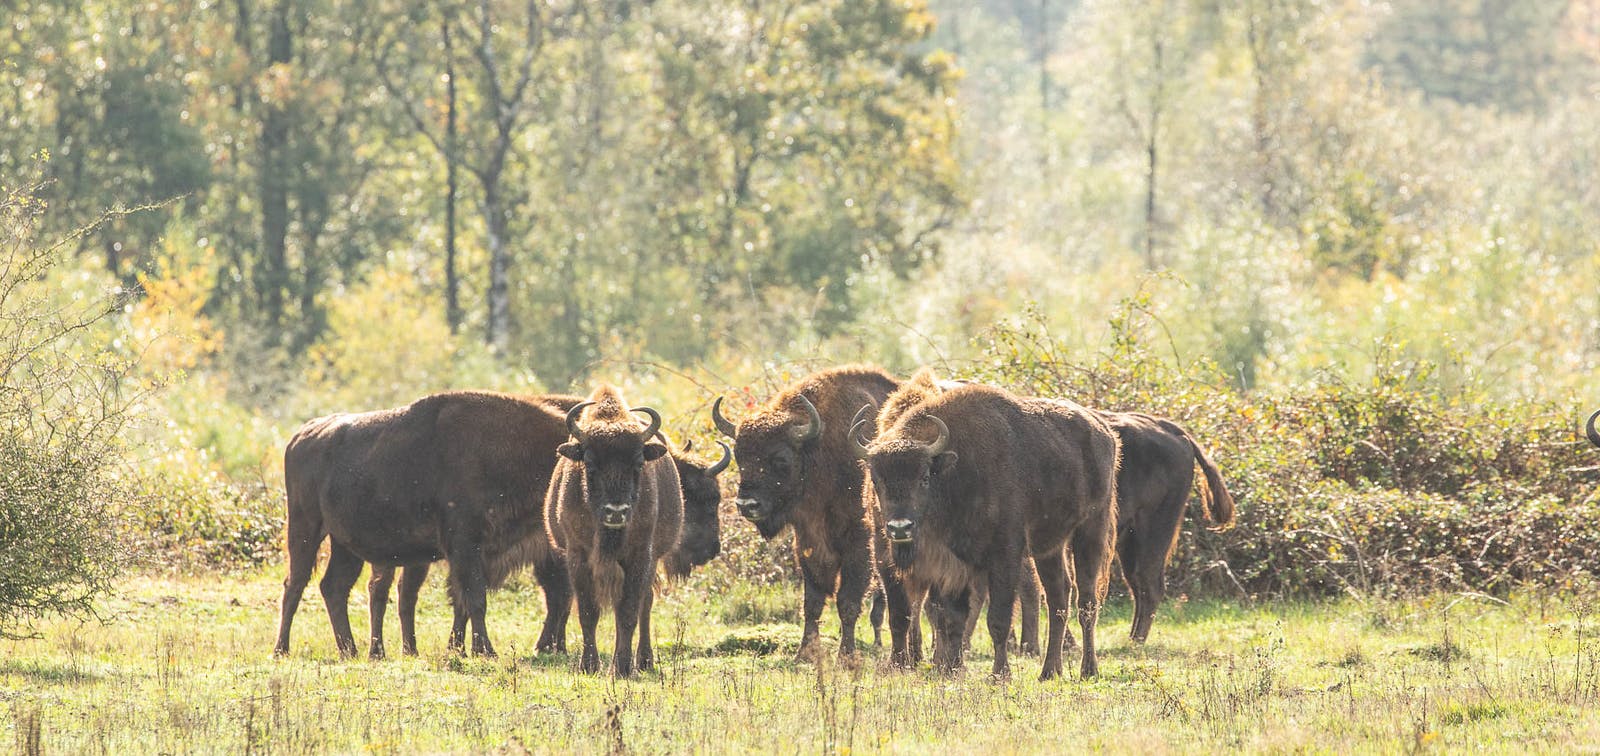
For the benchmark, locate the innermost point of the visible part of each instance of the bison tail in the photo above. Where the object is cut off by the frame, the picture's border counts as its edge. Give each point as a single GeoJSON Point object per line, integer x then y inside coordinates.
{"type": "Point", "coordinates": [1215, 500]}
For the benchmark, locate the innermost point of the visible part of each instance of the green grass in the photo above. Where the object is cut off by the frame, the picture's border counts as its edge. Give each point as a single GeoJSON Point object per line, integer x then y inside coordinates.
{"type": "Point", "coordinates": [184, 666]}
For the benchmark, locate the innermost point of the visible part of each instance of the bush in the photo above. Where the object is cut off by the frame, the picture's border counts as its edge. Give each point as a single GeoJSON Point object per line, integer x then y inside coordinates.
{"type": "Point", "coordinates": [64, 398]}
{"type": "Point", "coordinates": [1390, 484]}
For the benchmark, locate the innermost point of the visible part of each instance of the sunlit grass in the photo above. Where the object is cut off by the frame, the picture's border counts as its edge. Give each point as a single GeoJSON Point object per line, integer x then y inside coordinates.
{"type": "Point", "coordinates": [185, 667]}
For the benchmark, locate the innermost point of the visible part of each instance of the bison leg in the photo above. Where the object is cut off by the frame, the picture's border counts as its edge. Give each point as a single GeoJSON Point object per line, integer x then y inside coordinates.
{"type": "Point", "coordinates": [552, 575]}
{"type": "Point", "coordinates": [1002, 596]}
{"type": "Point", "coordinates": [1091, 557]}
{"type": "Point", "coordinates": [816, 595]}
{"type": "Point", "coordinates": [952, 611]}
{"type": "Point", "coordinates": [1053, 578]}
{"type": "Point", "coordinates": [344, 568]}
{"type": "Point", "coordinates": [636, 581]}
{"type": "Point", "coordinates": [875, 617]}
{"type": "Point", "coordinates": [411, 580]}
{"type": "Point", "coordinates": [855, 577]}
{"type": "Point", "coordinates": [980, 597]}
{"type": "Point", "coordinates": [588, 613]}
{"type": "Point", "coordinates": [458, 623]}
{"type": "Point", "coordinates": [646, 656]}
{"type": "Point", "coordinates": [378, 584]}
{"type": "Point", "coordinates": [902, 619]}
{"type": "Point", "coordinates": [471, 584]}
{"type": "Point", "coordinates": [1028, 596]}
{"type": "Point", "coordinates": [303, 537]}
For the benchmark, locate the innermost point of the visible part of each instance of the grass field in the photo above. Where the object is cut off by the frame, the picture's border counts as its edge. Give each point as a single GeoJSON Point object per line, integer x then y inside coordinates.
{"type": "Point", "coordinates": [184, 666]}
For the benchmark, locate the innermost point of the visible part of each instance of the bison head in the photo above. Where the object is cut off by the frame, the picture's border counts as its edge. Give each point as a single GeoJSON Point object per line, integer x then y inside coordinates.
{"type": "Point", "coordinates": [702, 528]}
{"type": "Point", "coordinates": [904, 475]}
{"type": "Point", "coordinates": [613, 453]}
{"type": "Point", "coordinates": [774, 451]}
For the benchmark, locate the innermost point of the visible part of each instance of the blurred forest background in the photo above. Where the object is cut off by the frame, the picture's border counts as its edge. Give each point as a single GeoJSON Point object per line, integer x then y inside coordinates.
{"type": "Point", "coordinates": [224, 217]}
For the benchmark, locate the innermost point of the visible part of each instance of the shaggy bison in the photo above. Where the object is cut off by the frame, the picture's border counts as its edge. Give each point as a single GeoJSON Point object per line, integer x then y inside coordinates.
{"type": "Point", "coordinates": [616, 498]}
{"type": "Point", "coordinates": [796, 469]}
{"type": "Point", "coordinates": [458, 476]}
{"type": "Point", "coordinates": [1003, 476]}
{"type": "Point", "coordinates": [701, 542]}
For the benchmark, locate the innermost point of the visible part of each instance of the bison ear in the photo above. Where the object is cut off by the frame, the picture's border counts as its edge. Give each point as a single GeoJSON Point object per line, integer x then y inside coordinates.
{"type": "Point", "coordinates": [942, 462]}
{"type": "Point", "coordinates": [571, 450]}
{"type": "Point", "coordinates": [653, 451]}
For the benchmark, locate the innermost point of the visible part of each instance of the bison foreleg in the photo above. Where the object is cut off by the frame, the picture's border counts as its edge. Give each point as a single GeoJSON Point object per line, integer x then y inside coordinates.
{"type": "Point", "coordinates": [1091, 558]}
{"type": "Point", "coordinates": [472, 585]}
{"type": "Point", "coordinates": [855, 577]}
{"type": "Point", "coordinates": [816, 596]}
{"type": "Point", "coordinates": [302, 560]}
{"type": "Point", "coordinates": [588, 611]}
{"type": "Point", "coordinates": [646, 658]}
{"type": "Point", "coordinates": [637, 576]}
{"type": "Point", "coordinates": [552, 575]}
{"type": "Point", "coordinates": [1002, 592]}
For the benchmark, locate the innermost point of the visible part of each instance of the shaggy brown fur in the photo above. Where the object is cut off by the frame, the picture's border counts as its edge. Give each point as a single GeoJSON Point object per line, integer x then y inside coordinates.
{"type": "Point", "coordinates": [794, 474]}
{"type": "Point", "coordinates": [457, 476]}
{"type": "Point", "coordinates": [617, 501]}
{"type": "Point", "coordinates": [1158, 461]}
{"type": "Point", "coordinates": [1016, 475]}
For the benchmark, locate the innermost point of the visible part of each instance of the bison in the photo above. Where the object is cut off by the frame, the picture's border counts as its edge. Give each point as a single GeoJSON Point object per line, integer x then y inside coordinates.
{"type": "Point", "coordinates": [700, 543]}
{"type": "Point", "coordinates": [1588, 429]}
{"type": "Point", "coordinates": [458, 476]}
{"type": "Point", "coordinates": [1004, 476]}
{"type": "Point", "coordinates": [617, 502]}
{"type": "Point", "coordinates": [796, 469]}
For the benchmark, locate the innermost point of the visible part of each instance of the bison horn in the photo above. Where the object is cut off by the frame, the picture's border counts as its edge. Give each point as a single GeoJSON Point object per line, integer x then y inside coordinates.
{"type": "Point", "coordinates": [813, 427]}
{"type": "Point", "coordinates": [572, 420]}
{"type": "Point", "coordinates": [943, 441]}
{"type": "Point", "coordinates": [1588, 429]}
{"type": "Point", "coordinates": [655, 422]}
{"type": "Point", "coordinates": [861, 414]}
{"type": "Point", "coordinates": [722, 464]}
{"type": "Point", "coordinates": [724, 426]}
{"type": "Point", "coordinates": [855, 439]}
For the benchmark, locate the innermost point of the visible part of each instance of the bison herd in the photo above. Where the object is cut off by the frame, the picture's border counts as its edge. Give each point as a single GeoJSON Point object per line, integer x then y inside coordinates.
{"type": "Point", "coordinates": [935, 496]}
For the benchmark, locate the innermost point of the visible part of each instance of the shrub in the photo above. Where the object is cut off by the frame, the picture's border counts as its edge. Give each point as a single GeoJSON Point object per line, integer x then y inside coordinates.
{"type": "Point", "coordinates": [64, 398]}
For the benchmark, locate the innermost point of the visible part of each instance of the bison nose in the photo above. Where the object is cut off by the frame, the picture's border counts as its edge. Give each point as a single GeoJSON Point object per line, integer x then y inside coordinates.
{"type": "Point", "coordinates": [750, 509]}
{"type": "Point", "coordinates": [615, 515]}
{"type": "Point", "coordinates": [899, 531]}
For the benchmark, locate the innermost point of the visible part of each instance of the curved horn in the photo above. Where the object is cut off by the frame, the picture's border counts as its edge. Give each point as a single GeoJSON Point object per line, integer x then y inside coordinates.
{"type": "Point", "coordinates": [722, 464]}
{"type": "Point", "coordinates": [724, 426]}
{"type": "Point", "coordinates": [572, 420]}
{"type": "Point", "coordinates": [861, 414]}
{"type": "Point", "coordinates": [861, 451]}
{"type": "Point", "coordinates": [813, 428]}
{"type": "Point", "coordinates": [1588, 429]}
{"type": "Point", "coordinates": [655, 422]}
{"type": "Point", "coordinates": [943, 441]}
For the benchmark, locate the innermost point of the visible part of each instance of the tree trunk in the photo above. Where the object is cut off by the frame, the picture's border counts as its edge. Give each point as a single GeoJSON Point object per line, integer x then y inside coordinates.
{"type": "Point", "coordinates": [498, 327]}
{"type": "Point", "coordinates": [273, 268]}
{"type": "Point", "coordinates": [452, 302]}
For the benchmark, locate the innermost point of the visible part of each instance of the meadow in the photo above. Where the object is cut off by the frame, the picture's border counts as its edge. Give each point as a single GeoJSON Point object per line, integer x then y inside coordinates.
{"type": "Point", "coordinates": [183, 665]}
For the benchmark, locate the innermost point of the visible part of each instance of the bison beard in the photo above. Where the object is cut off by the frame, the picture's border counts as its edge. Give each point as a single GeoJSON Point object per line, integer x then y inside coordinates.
{"type": "Point", "coordinates": [616, 499]}
{"type": "Point", "coordinates": [1003, 475]}
{"type": "Point", "coordinates": [457, 475]}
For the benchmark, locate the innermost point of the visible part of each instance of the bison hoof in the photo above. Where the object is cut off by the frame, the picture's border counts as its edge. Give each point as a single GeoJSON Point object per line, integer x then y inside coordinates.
{"type": "Point", "coordinates": [810, 652]}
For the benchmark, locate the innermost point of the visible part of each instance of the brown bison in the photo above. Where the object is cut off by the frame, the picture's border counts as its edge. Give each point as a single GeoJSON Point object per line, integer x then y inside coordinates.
{"type": "Point", "coordinates": [796, 469]}
{"type": "Point", "coordinates": [618, 505]}
{"type": "Point", "coordinates": [1002, 477]}
{"type": "Point", "coordinates": [1158, 461]}
{"type": "Point", "coordinates": [1153, 485]}
{"type": "Point", "coordinates": [701, 542]}
{"type": "Point", "coordinates": [458, 476]}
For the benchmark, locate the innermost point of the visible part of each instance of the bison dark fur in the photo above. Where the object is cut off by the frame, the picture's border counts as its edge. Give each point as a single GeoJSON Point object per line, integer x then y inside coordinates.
{"type": "Point", "coordinates": [458, 476]}
{"type": "Point", "coordinates": [796, 469]}
{"type": "Point", "coordinates": [1005, 476]}
{"type": "Point", "coordinates": [617, 501]}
